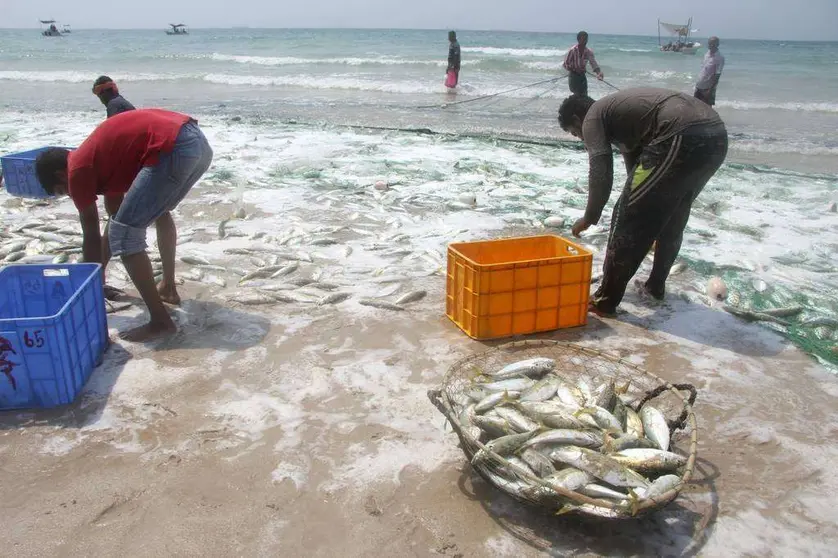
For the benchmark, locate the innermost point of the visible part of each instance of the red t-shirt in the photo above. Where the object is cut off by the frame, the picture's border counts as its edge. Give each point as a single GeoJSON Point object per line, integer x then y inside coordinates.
{"type": "Point", "coordinates": [112, 156]}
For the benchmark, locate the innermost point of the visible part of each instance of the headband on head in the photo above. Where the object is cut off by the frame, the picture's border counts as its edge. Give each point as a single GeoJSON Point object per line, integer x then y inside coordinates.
{"type": "Point", "coordinates": [97, 89]}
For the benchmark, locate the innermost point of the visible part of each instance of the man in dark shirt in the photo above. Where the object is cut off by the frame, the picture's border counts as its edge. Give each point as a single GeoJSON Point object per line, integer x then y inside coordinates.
{"type": "Point", "coordinates": [453, 72]}
{"type": "Point", "coordinates": [108, 93]}
{"type": "Point", "coordinates": [672, 144]}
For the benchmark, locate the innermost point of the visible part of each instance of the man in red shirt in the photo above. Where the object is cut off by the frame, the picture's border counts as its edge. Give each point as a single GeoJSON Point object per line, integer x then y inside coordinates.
{"type": "Point", "coordinates": [152, 157]}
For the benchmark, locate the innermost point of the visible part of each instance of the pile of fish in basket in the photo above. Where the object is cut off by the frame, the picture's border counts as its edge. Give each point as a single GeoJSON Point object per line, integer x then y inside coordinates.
{"type": "Point", "coordinates": [570, 429]}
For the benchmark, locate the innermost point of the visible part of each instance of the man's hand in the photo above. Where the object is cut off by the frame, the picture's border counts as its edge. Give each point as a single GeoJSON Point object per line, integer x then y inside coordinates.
{"type": "Point", "coordinates": [579, 227]}
{"type": "Point", "coordinates": [600, 76]}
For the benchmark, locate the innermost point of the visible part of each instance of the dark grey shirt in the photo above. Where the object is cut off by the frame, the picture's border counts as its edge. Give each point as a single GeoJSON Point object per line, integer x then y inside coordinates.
{"type": "Point", "coordinates": [117, 105]}
{"type": "Point", "coordinates": [631, 120]}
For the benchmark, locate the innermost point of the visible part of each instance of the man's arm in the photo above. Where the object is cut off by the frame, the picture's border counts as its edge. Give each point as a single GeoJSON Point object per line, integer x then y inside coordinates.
{"type": "Point", "coordinates": [600, 181]}
{"type": "Point", "coordinates": [92, 237]}
{"type": "Point", "coordinates": [450, 58]}
{"type": "Point", "coordinates": [594, 65]}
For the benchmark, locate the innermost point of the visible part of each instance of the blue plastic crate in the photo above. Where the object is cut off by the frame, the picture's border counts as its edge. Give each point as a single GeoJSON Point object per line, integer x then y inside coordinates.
{"type": "Point", "coordinates": [19, 174]}
{"type": "Point", "coordinates": [53, 332]}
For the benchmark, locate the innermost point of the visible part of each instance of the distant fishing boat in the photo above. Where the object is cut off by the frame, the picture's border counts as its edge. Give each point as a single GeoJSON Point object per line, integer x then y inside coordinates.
{"type": "Point", "coordinates": [177, 29]}
{"type": "Point", "coordinates": [682, 43]}
{"type": "Point", "coordinates": [50, 29]}
{"type": "Point", "coordinates": [66, 29]}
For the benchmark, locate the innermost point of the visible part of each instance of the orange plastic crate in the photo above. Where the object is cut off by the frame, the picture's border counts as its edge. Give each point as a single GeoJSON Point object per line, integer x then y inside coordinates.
{"type": "Point", "coordinates": [513, 286]}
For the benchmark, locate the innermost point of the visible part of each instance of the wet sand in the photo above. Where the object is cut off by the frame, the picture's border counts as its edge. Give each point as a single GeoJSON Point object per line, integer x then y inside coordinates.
{"type": "Point", "coordinates": [288, 431]}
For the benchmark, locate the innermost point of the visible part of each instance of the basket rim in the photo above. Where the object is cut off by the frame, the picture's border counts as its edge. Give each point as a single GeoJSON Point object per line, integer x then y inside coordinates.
{"type": "Point", "coordinates": [641, 505]}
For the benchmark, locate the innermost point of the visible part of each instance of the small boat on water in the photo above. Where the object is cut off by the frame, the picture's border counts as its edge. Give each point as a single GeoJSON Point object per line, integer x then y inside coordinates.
{"type": "Point", "coordinates": [682, 43]}
{"type": "Point", "coordinates": [49, 29]}
{"type": "Point", "coordinates": [177, 29]}
{"type": "Point", "coordinates": [66, 29]}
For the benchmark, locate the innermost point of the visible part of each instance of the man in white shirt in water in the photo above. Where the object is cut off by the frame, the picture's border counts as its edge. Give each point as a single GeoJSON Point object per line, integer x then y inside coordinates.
{"type": "Point", "coordinates": [711, 71]}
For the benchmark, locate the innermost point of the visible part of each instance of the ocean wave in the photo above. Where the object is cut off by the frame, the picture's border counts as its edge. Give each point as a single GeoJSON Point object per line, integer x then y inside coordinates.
{"type": "Point", "coordinates": [795, 107]}
{"type": "Point", "coordinates": [348, 82]}
{"type": "Point", "coordinates": [547, 66]}
{"type": "Point", "coordinates": [292, 61]}
{"type": "Point", "coordinates": [78, 76]}
{"type": "Point", "coordinates": [528, 52]}
{"type": "Point", "coordinates": [782, 147]}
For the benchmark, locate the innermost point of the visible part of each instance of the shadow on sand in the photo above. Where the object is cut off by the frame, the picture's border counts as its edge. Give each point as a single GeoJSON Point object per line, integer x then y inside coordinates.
{"type": "Point", "coordinates": [202, 325]}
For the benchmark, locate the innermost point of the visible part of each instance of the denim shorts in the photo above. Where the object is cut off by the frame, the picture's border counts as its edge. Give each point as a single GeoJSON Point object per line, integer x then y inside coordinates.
{"type": "Point", "coordinates": [158, 189]}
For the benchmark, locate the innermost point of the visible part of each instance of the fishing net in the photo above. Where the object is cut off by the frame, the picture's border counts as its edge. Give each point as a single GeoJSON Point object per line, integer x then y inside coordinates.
{"type": "Point", "coordinates": [573, 363]}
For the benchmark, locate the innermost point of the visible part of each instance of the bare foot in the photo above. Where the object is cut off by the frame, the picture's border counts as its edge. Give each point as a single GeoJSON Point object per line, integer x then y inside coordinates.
{"type": "Point", "coordinates": [168, 294]}
{"type": "Point", "coordinates": [149, 331]}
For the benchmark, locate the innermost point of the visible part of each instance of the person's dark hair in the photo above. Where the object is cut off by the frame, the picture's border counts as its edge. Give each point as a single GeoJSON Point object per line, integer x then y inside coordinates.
{"type": "Point", "coordinates": [452, 35]}
{"type": "Point", "coordinates": [581, 34]}
{"type": "Point", "coordinates": [575, 105]}
{"type": "Point", "coordinates": [48, 164]}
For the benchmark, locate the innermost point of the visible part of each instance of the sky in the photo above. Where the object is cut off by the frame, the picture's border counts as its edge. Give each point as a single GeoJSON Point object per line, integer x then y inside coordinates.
{"type": "Point", "coordinates": [747, 19]}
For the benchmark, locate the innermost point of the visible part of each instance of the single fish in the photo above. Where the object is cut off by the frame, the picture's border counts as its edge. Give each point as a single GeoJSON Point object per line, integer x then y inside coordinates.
{"type": "Point", "coordinates": [380, 304]}
{"type": "Point", "coordinates": [654, 425]}
{"type": "Point", "coordinates": [570, 395]}
{"type": "Point", "coordinates": [658, 488]}
{"type": "Point", "coordinates": [598, 465]}
{"type": "Point", "coordinates": [519, 466]}
{"type": "Point", "coordinates": [512, 384]}
{"type": "Point", "coordinates": [579, 438]}
{"type": "Point", "coordinates": [516, 419]}
{"type": "Point", "coordinates": [215, 280]}
{"type": "Point", "coordinates": [290, 297]}
{"type": "Point", "coordinates": [252, 299]}
{"type": "Point", "coordinates": [629, 441]}
{"type": "Point", "coordinates": [506, 445]}
{"type": "Point", "coordinates": [222, 233]}
{"type": "Point", "coordinates": [14, 256]}
{"type": "Point", "coordinates": [541, 465]}
{"type": "Point", "coordinates": [605, 396]}
{"type": "Point", "coordinates": [114, 307]}
{"type": "Point", "coordinates": [301, 281]}
{"type": "Point", "coordinates": [543, 390]}
{"type": "Point", "coordinates": [492, 400]}
{"type": "Point", "coordinates": [61, 258]}
{"type": "Point", "coordinates": [286, 270]}
{"type": "Point", "coordinates": [820, 322]}
{"type": "Point", "coordinates": [571, 479]}
{"type": "Point", "coordinates": [787, 312]}
{"type": "Point", "coordinates": [650, 461]}
{"type": "Point", "coordinates": [320, 285]}
{"type": "Point", "coordinates": [678, 268]}
{"type": "Point", "coordinates": [493, 426]}
{"type": "Point", "coordinates": [530, 367]}
{"type": "Point", "coordinates": [603, 418]}
{"type": "Point", "coordinates": [603, 492]}
{"type": "Point", "coordinates": [347, 251]}
{"type": "Point", "coordinates": [554, 418]}
{"type": "Point", "coordinates": [390, 279]}
{"type": "Point", "coordinates": [323, 242]}
{"type": "Point", "coordinates": [634, 425]}
{"type": "Point", "coordinates": [261, 273]}
{"type": "Point", "coordinates": [750, 316]}
{"type": "Point", "coordinates": [411, 297]}
{"type": "Point", "coordinates": [333, 298]}
{"type": "Point", "coordinates": [194, 260]}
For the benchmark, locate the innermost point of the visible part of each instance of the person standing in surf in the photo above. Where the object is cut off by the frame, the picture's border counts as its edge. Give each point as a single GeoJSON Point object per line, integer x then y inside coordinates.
{"type": "Point", "coordinates": [576, 63]}
{"type": "Point", "coordinates": [108, 93]}
{"type": "Point", "coordinates": [153, 158]}
{"type": "Point", "coordinates": [711, 71]}
{"type": "Point", "coordinates": [452, 74]}
{"type": "Point", "coordinates": [672, 144]}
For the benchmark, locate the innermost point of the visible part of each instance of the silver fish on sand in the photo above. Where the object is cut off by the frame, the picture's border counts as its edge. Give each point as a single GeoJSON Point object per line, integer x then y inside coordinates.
{"type": "Point", "coordinates": [383, 305]}
{"type": "Point", "coordinates": [650, 461]}
{"type": "Point", "coordinates": [598, 465]}
{"type": "Point", "coordinates": [333, 298]}
{"type": "Point", "coordinates": [411, 297]}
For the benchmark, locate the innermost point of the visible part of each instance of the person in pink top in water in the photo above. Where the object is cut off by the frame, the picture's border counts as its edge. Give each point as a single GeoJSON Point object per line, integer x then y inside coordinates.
{"type": "Point", "coordinates": [576, 62]}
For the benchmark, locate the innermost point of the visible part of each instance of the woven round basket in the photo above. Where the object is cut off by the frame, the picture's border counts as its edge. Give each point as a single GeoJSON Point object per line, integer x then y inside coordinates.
{"type": "Point", "coordinates": [573, 363]}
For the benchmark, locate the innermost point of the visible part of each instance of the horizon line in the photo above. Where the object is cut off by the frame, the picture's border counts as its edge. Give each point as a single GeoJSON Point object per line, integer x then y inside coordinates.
{"type": "Point", "coordinates": [441, 29]}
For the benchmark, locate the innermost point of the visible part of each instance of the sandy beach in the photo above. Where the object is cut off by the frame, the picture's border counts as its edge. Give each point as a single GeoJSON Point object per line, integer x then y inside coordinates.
{"type": "Point", "coordinates": [305, 432]}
